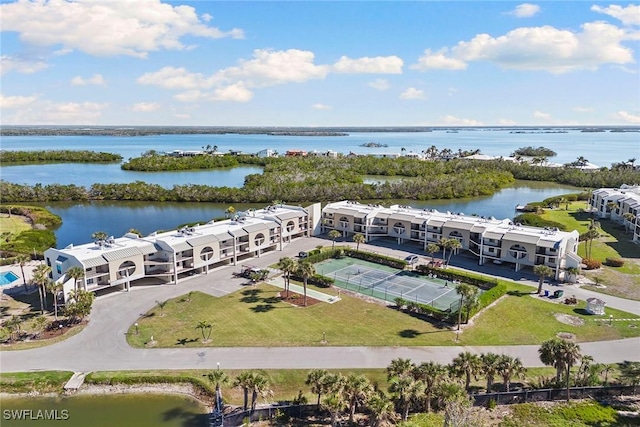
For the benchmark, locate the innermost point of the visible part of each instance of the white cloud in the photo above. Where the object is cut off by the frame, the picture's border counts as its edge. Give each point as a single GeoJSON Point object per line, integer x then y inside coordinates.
{"type": "Point", "coordinates": [21, 65]}
{"type": "Point", "coordinates": [627, 117]}
{"type": "Point", "coordinates": [96, 79]}
{"type": "Point", "coordinates": [189, 96]}
{"type": "Point", "coordinates": [629, 15]}
{"type": "Point", "coordinates": [379, 84]}
{"type": "Point", "coordinates": [175, 78]}
{"type": "Point", "coordinates": [235, 92]}
{"type": "Point", "coordinates": [50, 113]}
{"type": "Point", "coordinates": [525, 10]}
{"type": "Point", "coordinates": [12, 102]}
{"type": "Point", "coordinates": [457, 121]}
{"type": "Point", "coordinates": [321, 107]}
{"type": "Point", "coordinates": [541, 115]}
{"type": "Point", "coordinates": [145, 107]}
{"type": "Point", "coordinates": [412, 93]}
{"type": "Point", "coordinates": [367, 65]}
{"type": "Point", "coordinates": [107, 28]}
{"type": "Point", "coordinates": [540, 48]}
{"type": "Point", "coordinates": [438, 61]}
{"type": "Point", "coordinates": [583, 109]}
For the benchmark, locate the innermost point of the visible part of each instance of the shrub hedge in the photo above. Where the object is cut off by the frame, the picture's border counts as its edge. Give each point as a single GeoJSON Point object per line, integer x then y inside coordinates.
{"type": "Point", "coordinates": [614, 262]}
{"type": "Point", "coordinates": [591, 264]}
{"type": "Point", "coordinates": [376, 258]}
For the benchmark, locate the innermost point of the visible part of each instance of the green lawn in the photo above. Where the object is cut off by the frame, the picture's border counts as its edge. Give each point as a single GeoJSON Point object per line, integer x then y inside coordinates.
{"type": "Point", "coordinates": [254, 317]}
{"type": "Point", "coordinates": [14, 225]}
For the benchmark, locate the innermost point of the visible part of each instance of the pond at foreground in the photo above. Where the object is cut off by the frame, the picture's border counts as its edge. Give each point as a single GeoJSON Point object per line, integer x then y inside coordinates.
{"type": "Point", "coordinates": [140, 410]}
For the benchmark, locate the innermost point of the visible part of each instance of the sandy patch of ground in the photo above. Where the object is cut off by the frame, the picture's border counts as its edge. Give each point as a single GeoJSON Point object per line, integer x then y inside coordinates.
{"type": "Point", "coordinates": [568, 319]}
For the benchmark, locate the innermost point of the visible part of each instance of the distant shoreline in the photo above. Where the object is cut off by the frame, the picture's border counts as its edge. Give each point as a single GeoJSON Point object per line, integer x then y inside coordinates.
{"type": "Point", "coordinates": [27, 130]}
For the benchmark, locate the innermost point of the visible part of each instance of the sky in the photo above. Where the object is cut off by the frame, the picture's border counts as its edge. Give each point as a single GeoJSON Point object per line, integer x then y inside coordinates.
{"type": "Point", "coordinates": [319, 63]}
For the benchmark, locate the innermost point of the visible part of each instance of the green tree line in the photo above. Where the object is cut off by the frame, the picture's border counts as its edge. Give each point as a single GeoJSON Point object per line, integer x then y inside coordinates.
{"type": "Point", "coordinates": [51, 156]}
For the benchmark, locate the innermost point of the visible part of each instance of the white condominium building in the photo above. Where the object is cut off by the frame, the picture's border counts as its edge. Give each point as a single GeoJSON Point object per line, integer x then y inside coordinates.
{"type": "Point", "coordinates": [167, 257]}
{"type": "Point", "coordinates": [620, 204]}
{"type": "Point", "coordinates": [489, 239]}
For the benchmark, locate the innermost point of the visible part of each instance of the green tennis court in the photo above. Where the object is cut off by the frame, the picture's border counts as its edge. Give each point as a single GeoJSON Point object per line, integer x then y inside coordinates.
{"type": "Point", "coordinates": [388, 283]}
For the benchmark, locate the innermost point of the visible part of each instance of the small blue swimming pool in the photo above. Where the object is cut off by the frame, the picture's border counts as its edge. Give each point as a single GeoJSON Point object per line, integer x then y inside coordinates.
{"type": "Point", "coordinates": [7, 278]}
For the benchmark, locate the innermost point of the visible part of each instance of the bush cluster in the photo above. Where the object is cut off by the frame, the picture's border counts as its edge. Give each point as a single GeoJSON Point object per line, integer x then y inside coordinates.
{"type": "Point", "coordinates": [376, 258]}
{"type": "Point", "coordinates": [422, 310]}
{"type": "Point", "coordinates": [591, 264]}
{"type": "Point", "coordinates": [614, 262]}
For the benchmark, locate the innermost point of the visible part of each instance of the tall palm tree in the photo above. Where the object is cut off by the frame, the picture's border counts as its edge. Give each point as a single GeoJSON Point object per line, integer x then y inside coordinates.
{"type": "Point", "coordinates": [54, 289]}
{"type": "Point", "coordinates": [444, 245]}
{"type": "Point", "coordinates": [230, 212]}
{"type": "Point", "coordinates": [334, 403]}
{"type": "Point", "coordinates": [468, 300]}
{"type": "Point", "coordinates": [510, 367]}
{"type": "Point", "coordinates": [333, 235]}
{"type": "Point", "coordinates": [305, 270]}
{"type": "Point", "coordinates": [317, 379]}
{"type": "Point", "coordinates": [430, 373]}
{"type": "Point", "coordinates": [244, 381]}
{"type": "Point", "coordinates": [260, 388]}
{"type": "Point", "coordinates": [41, 278]}
{"type": "Point", "coordinates": [570, 354]}
{"type": "Point", "coordinates": [99, 236]}
{"type": "Point", "coordinates": [629, 219]}
{"type": "Point", "coordinates": [356, 390]}
{"type": "Point", "coordinates": [432, 248]}
{"type": "Point", "coordinates": [288, 266]}
{"type": "Point", "coordinates": [400, 368]}
{"type": "Point", "coordinates": [358, 239]}
{"type": "Point", "coordinates": [453, 245]}
{"type": "Point", "coordinates": [218, 378]}
{"type": "Point", "coordinates": [455, 401]}
{"type": "Point", "coordinates": [550, 354]}
{"type": "Point", "coordinates": [542, 271]}
{"type": "Point", "coordinates": [466, 365]}
{"type": "Point", "coordinates": [405, 389]}
{"type": "Point", "coordinates": [23, 259]}
{"type": "Point", "coordinates": [75, 273]}
{"type": "Point", "coordinates": [490, 362]}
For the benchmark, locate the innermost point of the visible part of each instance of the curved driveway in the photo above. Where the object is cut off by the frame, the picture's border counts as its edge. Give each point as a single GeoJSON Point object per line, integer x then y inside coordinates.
{"type": "Point", "coordinates": [102, 345]}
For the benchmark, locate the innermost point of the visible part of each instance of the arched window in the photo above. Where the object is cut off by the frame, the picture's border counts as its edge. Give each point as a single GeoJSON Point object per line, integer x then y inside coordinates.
{"type": "Point", "coordinates": [206, 253]}
{"type": "Point", "coordinates": [344, 222]}
{"type": "Point", "coordinates": [290, 226]}
{"type": "Point", "coordinates": [398, 228]}
{"type": "Point", "coordinates": [518, 251]}
{"type": "Point", "coordinates": [259, 239]}
{"type": "Point", "coordinates": [456, 235]}
{"type": "Point", "coordinates": [126, 269]}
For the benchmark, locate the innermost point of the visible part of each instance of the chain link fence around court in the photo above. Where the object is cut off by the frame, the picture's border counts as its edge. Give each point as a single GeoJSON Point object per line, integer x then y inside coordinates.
{"type": "Point", "coordinates": [387, 283]}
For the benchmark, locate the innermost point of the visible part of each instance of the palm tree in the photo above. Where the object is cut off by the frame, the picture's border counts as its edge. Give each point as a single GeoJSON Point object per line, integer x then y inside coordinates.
{"type": "Point", "coordinates": [430, 374]}
{"type": "Point", "coordinates": [490, 363]}
{"type": "Point", "coordinates": [570, 354]}
{"type": "Point", "coordinates": [41, 278]}
{"type": "Point", "coordinates": [466, 364]}
{"type": "Point", "coordinates": [453, 245]}
{"type": "Point", "coordinates": [75, 273]}
{"type": "Point", "coordinates": [356, 390]}
{"type": "Point", "coordinates": [288, 266]}
{"type": "Point", "coordinates": [23, 259]}
{"type": "Point", "coordinates": [589, 236]}
{"type": "Point", "coordinates": [54, 289]}
{"type": "Point", "coordinates": [260, 387]}
{"type": "Point", "coordinates": [629, 219]}
{"type": "Point", "coordinates": [218, 378]}
{"type": "Point", "coordinates": [358, 238]}
{"type": "Point", "coordinates": [468, 300]}
{"type": "Point", "coordinates": [13, 325]}
{"type": "Point", "coordinates": [335, 404]}
{"type": "Point", "coordinates": [550, 354]}
{"type": "Point", "coordinates": [205, 328]}
{"type": "Point", "coordinates": [305, 270]}
{"type": "Point", "coordinates": [405, 389]}
{"type": "Point", "coordinates": [333, 235]}
{"type": "Point", "coordinates": [455, 401]}
{"type": "Point", "coordinates": [542, 271]}
{"type": "Point", "coordinates": [230, 212]}
{"type": "Point", "coordinates": [317, 379]}
{"type": "Point", "coordinates": [39, 325]}
{"type": "Point", "coordinates": [432, 248]}
{"type": "Point", "coordinates": [510, 367]}
{"type": "Point", "coordinates": [443, 244]}
{"type": "Point", "coordinates": [381, 408]}
{"type": "Point", "coordinates": [400, 368]}
{"type": "Point", "coordinates": [244, 380]}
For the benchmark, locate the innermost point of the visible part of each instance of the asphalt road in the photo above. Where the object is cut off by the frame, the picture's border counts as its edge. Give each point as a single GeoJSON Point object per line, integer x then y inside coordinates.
{"type": "Point", "coordinates": [102, 345]}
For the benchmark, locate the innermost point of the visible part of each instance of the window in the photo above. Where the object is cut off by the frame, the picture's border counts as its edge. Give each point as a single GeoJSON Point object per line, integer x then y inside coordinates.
{"type": "Point", "coordinates": [259, 239]}
{"type": "Point", "coordinates": [518, 251]}
{"type": "Point", "coordinates": [206, 253]}
{"type": "Point", "coordinates": [290, 226]}
{"type": "Point", "coordinates": [59, 269]}
{"type": "Point", "coordinates": [398, 228]}
{"type": "Point", "coordinates": [126, 269]}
